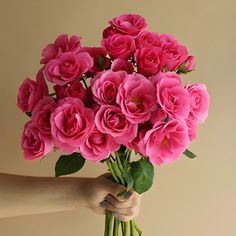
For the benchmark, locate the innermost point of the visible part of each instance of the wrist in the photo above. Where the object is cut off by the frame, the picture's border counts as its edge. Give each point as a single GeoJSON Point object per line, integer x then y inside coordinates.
{"type": "Point", "coordinates": [79, 192]}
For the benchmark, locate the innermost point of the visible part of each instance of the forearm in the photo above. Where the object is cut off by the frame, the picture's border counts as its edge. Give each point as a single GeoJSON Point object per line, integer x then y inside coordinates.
{"type": "Point", "coordinates": [25, 195]}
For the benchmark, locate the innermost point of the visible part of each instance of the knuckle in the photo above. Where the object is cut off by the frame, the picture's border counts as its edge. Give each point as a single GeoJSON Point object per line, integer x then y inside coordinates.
{"type": "Point", "coordinates": [131, 211]}
{"type": "Point", "coordinates": [135, 197]}
{"type": "Point", "coordinates": [134, 203]}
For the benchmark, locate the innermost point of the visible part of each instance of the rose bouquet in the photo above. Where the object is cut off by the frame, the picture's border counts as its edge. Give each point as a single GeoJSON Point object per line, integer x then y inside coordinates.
{"type": "Point", "coordinates": [109, 101]}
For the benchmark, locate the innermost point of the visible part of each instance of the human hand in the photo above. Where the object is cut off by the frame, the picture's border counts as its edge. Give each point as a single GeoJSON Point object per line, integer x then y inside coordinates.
{"type": "Point", "coordinates": [101, 194]}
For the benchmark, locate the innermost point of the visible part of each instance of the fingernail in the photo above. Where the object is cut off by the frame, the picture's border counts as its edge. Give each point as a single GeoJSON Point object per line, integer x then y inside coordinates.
{"type": "Point", "coordinates": [103, 204]}
{"type": "Point", "coordinates": [116, 215]}
{"type": "Point", "coordinates": [127, 194]}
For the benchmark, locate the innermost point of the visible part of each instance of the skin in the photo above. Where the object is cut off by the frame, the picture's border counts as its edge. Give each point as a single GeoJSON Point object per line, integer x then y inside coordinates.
{"type": "Point", "coordinates": [27, 195]}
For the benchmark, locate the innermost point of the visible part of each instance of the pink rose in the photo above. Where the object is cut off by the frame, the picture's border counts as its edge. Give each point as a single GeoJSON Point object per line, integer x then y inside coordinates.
{"type": "Point", "coordinates": [110, 120]}
{"type": "Point", "coordinates": [89, 101]}
{"type": "Point", "coordinates": [172, 96]}
{"type": "Point", "coordinates": [149, 60]}
{"type": "Point", "coordinates": [119, 46]}
{"type": "Point", "coordinates": [158, 115]}
{"type": "Point", "coordinates": [71, 122]}
{"type": "Point", "coordinates": [199, 101]}
{"type": "Point", "coordinates": [166, 141]}
{"type": "Point", "coordinates": [191, 122]}
{"type": "Point", "coordinates": [68, 67]}
{"type": "Point", "coordinates": [174, 53]}
{"type": "Point", "coordinates": [109, 31]}
{"type": "Point", "coordinates": [137, 144]}
{"type": "Point", "coordinates": [100, 61]}
{"type": "Point", "coordinates": [62, 44]}
{"type": "Point", "coordinates": [137, 98]}
{"type": "Point", "coordinates": [42, 113]}
{"type": "Point", "coordinates": [190, 63]}
{"type": "Point", "coordinates": [130, 24]}
{"type": "Point", "coordinates": [98, 146]}
{"type": "Point", "coordinates": [148, 39]}
{"type": "Point", "coordinates": [30, 92]}
{"type": "Point", "coordinates": [75, 89]}
{"type": "Point", "coordinates": [34, 143]}
{"type": "Point", "coordinates": [120, 64]}
{"type": "Point", "coordinates": [105, 86]}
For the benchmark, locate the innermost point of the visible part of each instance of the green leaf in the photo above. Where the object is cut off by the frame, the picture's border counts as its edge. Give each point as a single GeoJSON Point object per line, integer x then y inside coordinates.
{"type": "Point", "coordinates": [128, 178]}
{"type": "Point", "coordinates": [189, 154]}
{"type": "Point", "coordinates": [69, 164]}
{"type": "Point", "coordinates": [142, 172]}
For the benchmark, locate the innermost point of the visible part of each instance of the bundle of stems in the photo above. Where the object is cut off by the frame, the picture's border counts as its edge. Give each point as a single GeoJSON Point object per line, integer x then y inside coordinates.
{"type": "Point", "coordinates": [116, 167]}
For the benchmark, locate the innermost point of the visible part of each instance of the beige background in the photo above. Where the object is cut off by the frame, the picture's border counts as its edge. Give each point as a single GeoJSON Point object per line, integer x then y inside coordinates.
{"type": "Point", "coordinates": [191, 197]}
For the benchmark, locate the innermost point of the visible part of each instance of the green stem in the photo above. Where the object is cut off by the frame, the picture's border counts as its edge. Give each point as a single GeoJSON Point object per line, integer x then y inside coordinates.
{"type": "Point", "coordinates": [118, 172]}
{"type": "Point", "coordinates": [119, 162]}
{"type": "Point", "coordinates": [109, 233]}
{"type": "Point", "coordinates": [112, 171]}
{"type": "Point", "coordinates": [124, 226]}
{"type": "Point", "coordinates": [116, 227]}
{"type": "Point", "coordinates": [137, 228]}
{"type": "Point", "coordinates": [107, 217]}
{"type": "Point", "coordinates": [132, 229]}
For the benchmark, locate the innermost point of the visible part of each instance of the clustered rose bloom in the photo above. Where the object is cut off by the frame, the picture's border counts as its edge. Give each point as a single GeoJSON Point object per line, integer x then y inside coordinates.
{"type": "Point", "coordinates": [136, 96]}
{"type": "Point", "coordinates": [62, 44]}
{"type": "Point", "coordinates": [30, 92]}
{"type": "Point", "coordinates": [68, 67]}
{"type": "Point", "coordinates": [34, 143]}
{"type": "Point", "coordinates": [71, 122]}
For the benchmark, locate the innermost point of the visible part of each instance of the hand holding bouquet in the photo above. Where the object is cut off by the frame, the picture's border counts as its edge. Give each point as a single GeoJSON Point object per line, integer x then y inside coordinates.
{"type": "Point", "coordinates": [125, 96]}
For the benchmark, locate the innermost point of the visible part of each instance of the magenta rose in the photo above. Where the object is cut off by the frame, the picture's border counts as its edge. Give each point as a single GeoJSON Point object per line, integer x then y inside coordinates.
{"type": "Point", "coordinates": [110, 120]}
{"type": "Point", "coordinates": [105, 86]}
{"type": "Point", "coordinates": [100, 61]}
{"type": "Point", "coordinates": [199, 101]}
{"type": "Point", "coordinates": [148, 39]}
{"type": "Point", "coordinates": [130, 24]}
{"type": "Point", "coordinates": [119, 46]}
{"type": "Point", "coordinates": [190, 63]}
{"type": "Point", "coordinates": [166, 141]}
{"type": "Point", "coordinates": [191, 122]}
{"type": "Point", "coordinates": [98, 146]}
{"type": "Point", "coordinates": [109, 31]}
{"type": "Point", "coordinates": [30, 92]}
{"type": "Point", "coordinates": [62, 44]}
{"type": "Point", "coordinates": [42, 113]}
{"type": "Point", "coordinates": [172, 96]}
{"type": "Point", "coordinates": [174, 53]}
{"type": "Point", "coordinates": [75, 89]}
{"type": "Point", "coordinates": [34, 143]}
{"type": "Point", "coordinates": [157, 115]}
{"type": "Point", "coordinates": [121, 64]}
{"type": "Point", "coordinates": [89, 101]}
{"type": "Point", "coordinates": [137, 98]}
{"type": "Point", "coordinates": [71, 122]}
{"type": "Point", "coordinates": [68, 67]}
{"type": "Point", "coordinates": [137, 144]}
{"type": "Point", "coordinates": [149, 60]}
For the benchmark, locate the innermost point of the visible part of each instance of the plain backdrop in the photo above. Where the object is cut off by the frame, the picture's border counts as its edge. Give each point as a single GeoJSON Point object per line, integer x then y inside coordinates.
{"type": "Point", "coordinates": [190, 197]}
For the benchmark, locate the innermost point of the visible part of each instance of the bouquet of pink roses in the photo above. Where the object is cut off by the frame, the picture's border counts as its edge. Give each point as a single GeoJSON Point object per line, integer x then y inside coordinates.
{"type": "Point", "coordinates": [126, 95]}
